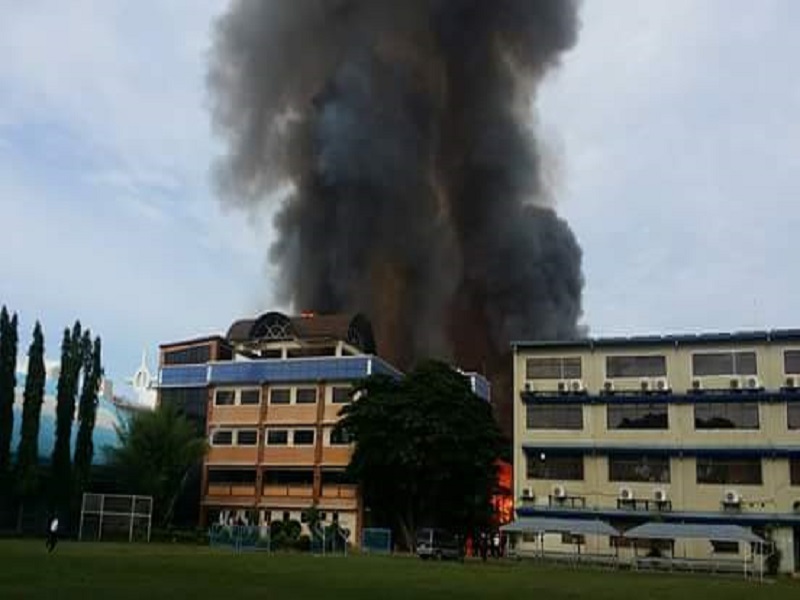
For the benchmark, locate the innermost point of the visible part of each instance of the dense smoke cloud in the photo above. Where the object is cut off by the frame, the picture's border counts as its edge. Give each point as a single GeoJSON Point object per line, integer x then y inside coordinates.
{"type": "Point", "coordinates": [404, 128]}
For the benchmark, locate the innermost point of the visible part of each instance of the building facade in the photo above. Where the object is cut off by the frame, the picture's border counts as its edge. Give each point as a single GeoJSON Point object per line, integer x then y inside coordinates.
{"type": "Point", "coordinates": [684, 429]}
{"type": "Point", "coordinates": [268, 395]}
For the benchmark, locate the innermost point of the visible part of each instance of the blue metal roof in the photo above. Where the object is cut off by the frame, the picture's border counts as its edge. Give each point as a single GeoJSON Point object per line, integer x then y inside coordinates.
{"type": "Point", "coordinates": [618, 514]}
{"type": "Point", "coordinates": [705, 397]}
{"type": "Point", "coordinates": [658, 450]}
{"type": "Point", "coordinates": [698, 339]}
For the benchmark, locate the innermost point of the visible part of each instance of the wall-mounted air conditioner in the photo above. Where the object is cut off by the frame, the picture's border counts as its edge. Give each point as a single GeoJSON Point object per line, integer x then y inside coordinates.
{"type": "Point", "coordinates": [731, 498]}
{"type": "Point", "coordinates": [660, 384]}
{"type": "Point", "coordinates": [559, 491]}
{"type": "Point", "coordinates": [608, 386]}
{"type": "Point", "coordinates": [752, 383]}
{"type": "Point", "coordinates": [576, 386]}
{"type": "Point", "coordinates": [527, 493]}
{"type": "Point", "coordinates": [791, 382]}
{"type": "Point", "coordinates": [645, 385]}
{"type": "Point", "coordinates": [626, 494]}
{"type": "Point", "coordinates": [660, 495]}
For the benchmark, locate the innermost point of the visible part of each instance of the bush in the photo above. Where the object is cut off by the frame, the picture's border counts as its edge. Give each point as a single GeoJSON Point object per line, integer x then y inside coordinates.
{"type": "Point", "coordinates": [303, 543]}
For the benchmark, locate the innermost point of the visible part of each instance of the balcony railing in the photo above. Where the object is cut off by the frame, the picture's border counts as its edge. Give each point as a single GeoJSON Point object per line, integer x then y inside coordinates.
{"type": "Point", "coordinates": [345, 492]}
{"type": "Point", "coordinates": [567, 501]}
{"type": "Point", "coordinates": [645, 505]}
{"type": "Point", "coordinates": [231, 489]}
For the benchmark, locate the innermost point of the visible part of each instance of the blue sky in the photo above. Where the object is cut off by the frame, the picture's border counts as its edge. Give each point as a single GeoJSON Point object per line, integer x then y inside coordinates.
{"type": "Point", "coordinates": [672, 130]}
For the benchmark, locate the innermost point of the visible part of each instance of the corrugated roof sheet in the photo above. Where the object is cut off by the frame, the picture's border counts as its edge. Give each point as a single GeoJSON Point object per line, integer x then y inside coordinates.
{"type": "Point", "coordinates": [572, 526]}
{"type": "Point", "coordinates": [668, 531]}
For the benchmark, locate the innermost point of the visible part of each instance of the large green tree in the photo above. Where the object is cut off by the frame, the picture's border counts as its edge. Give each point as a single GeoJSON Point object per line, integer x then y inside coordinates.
{"type": "Point", "coordinates": [71, 363]}
{"type": "Point", "coordinates": [425, 450]}
{"type": "Point", "coordinates": [87, 412]}
{"type": "Point", "coordinates": [8, 382]}
{"type": "Point", "coordinates": [155, 453]}
{"type": "Point", "coordinates": [27, 465]}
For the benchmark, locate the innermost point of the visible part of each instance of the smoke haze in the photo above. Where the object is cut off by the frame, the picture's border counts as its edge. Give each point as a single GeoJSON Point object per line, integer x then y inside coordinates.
{"type": "Point", "coordinates": [418, 191]}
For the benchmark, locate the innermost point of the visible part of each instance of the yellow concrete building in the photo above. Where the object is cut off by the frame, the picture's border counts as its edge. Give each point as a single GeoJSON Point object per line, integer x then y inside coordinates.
{"type": "Point", "coordinates": [680, 429]}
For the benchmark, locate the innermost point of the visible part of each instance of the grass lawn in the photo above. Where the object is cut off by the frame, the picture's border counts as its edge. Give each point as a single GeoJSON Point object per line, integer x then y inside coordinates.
{"type": "Point", "coordinates": [148, 572]}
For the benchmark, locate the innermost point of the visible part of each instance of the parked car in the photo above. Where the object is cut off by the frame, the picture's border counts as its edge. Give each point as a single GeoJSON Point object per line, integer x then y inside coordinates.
{"type": "Point", "coordinates": [439, 544]}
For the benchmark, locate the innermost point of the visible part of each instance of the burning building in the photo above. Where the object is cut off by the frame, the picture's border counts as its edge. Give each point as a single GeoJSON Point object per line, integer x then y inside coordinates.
{"type": "Point", "coordinates": [396, 141]}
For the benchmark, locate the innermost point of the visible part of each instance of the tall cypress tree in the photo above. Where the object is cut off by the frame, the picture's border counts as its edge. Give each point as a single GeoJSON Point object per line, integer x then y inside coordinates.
{"type": "Point", "coordinates": [71, 362]}
{"type": "Point", "coordinates": [8, 382]}
{"type": "Point", "coordinates": [27, 466]}
{"type": "Point", "coordinates": [87, 412]}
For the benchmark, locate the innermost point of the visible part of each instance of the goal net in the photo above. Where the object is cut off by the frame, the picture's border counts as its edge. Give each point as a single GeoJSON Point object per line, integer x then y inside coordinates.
{"type": "Point", "coordinates": [116, 517]}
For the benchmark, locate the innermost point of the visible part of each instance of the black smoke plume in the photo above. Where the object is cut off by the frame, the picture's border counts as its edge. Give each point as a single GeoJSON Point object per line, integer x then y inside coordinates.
{"type": "Point", "coordinates": [418, 195]}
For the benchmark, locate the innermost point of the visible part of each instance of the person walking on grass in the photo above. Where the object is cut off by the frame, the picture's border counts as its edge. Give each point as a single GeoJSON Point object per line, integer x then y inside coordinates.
{"type": "Point", "coordinates": [52, 535]}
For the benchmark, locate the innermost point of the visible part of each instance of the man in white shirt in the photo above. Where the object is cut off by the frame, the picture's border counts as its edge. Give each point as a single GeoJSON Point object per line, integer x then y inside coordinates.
{"type": "Point", "coordinates": [52, 535]}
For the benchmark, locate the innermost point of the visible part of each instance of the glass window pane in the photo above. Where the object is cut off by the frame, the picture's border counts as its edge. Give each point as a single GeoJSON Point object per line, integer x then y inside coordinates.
{"type": "Point", "coordinates": [543, 368]}
{"type": "Point", "coordinates": [791, 362]}
{"type": "Point", "coordinates": [726, 415]}
{"type": "Point", "coordinates": [277, 437]}
{"type": "Point", "coordinates": [745, 363]}
{"type": "Point", "coordinates": [303, 437]}
{"type": "Point", "coordinates": [564, 468]}
{"type": "Point", "coordinates": [306, 396]}
{"type": "Point", "coordinates": [647, 469]}
{"type": "Point", "coordinates": [247, 437]}
{"type": "Point", "coordinates": [341, 395]}
{"type": "Point", "coordinates": [224, 397]}
{"type": "Point", "coordinates": [280, 396]}
{"type": "Point", "coordinates": [572, 368]}
{"type": "Point", "coordinates": [250, 397]}
{"type": "Point", "coordinates": [794, 468]}
{"type": "Point", "coordinates": [223, 437]}
{"type": "Point", "coordinates": [793, 415]}
{"type": "Point", "coordinates": [729, 471]}
{"type": "Point", "coordinates": [709, 364]}
{"type": "Point", "coordinates": [340, 437]}
{"type": "Point", "coordinates": [636, 366]}
{"type": "Point", "coordinates": [554, 416]}
{"type": "Point", "coordinates": [637, 416]}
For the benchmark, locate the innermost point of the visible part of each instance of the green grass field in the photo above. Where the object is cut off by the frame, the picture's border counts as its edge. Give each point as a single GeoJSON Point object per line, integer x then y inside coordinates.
{"type": "Point", "coordinates": [148, 572]}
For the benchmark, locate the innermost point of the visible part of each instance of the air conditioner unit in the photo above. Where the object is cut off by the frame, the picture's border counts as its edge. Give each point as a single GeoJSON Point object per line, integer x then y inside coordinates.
{"type": "Point", "coordinates": [576, 386]}
{"type": "Point", "coordinates": [735, 384]}
{"type": "Point", "coordinates": [527, 493]}
{"type": "Point", "coordinates": [796, 506]}
{"type": "Point", "coordinates": [661, 384]}
{"type": "Point", "coordinates": [731, 497]}
{"type": "Point", "coordinates": [528, 387]}
{"type": "Point", "coordinates": [559, 491]}
{"type": "Point", "coordinates": [625, 494]}
{"type": "Point", "coordinates": [608, 386]}
{"type": "Point", "coordinates": [660, 495]}
{"type": "Point", "coordinates": [753, 383]}
{"type": "Point", "coordinates": [791, 383]}
{"type": "Point", "coordinates": [644, 384]}
{"type": "Point", "coordinates": [563, 387]}
{"type": "Point", "coordinates": [697, 384]}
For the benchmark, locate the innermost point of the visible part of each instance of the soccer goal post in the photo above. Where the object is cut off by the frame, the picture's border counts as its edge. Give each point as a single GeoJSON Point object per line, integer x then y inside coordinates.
{"type": "Point", "coordinates": [116, 516]}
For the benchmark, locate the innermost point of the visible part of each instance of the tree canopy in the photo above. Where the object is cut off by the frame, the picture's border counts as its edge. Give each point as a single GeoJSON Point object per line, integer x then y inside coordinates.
{"type": "Point", "coordinates": [425, 450]}
{"type": "Point", "coordinates": [28, 451]}
{"type": "Point", "coordinates": [156, 450]}
{"type": "Point", "coordinates": [8, 381]}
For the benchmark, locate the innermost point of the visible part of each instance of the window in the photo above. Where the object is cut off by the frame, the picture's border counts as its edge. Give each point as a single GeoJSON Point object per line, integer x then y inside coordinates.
{"type": "Point", "coordinates": [222, 437]}
{"type": "Point", "coordinates": [190, 402]}
{"type": "Point", "coordinates": [793, 415]}
{"type": "Point", "coordinates": [570, 538]}
{"type": "Point", "coordinates": [306, 396]}
{"type": "Point", "coordinates": [280, 396]}
{"type": "Point", "coordinates": [250, 397]}
{"type": "Point", "coordinates": [340, 437]}
{"type": "Point", "coordinates": [289, 477]}
{"type": "Point", "coordinates": [706, 364]}
{"type": "Point", "coordinates": [646, 469]}
{"type": "Point", "coordinates": [726, 415]}
{"type": "Point", "coordinates": [196, 355]}
{"type": "Point", "coordinates": [303, 437]}
{"type": "Point", "coordinates": [553, 368]}
{"type": "Point", "coordinates": [637, 416]}
{"type": "Point", "coordinates": [341, 395]}
{"type": "Point", "coordinates": [636, 366]}
{"type": "Point", "coordinates": [554, 416]}
{"type": "Point", "coordinates": [728, 471]}
{"type": "Point", "coordinates": [277, 437]}
{"type": "Point", "coordinates": [791, 362]}
{"type": "Point", "coordinates": [555, 467]}
{"type": "Point", "coordinates": [224, 398]}
{"type": "Point", "coordinates": [794, 471]}
{"type": "Point", "coordinates": [247, 437]}
{"type": "Point", "coordinates": [721, 547]}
